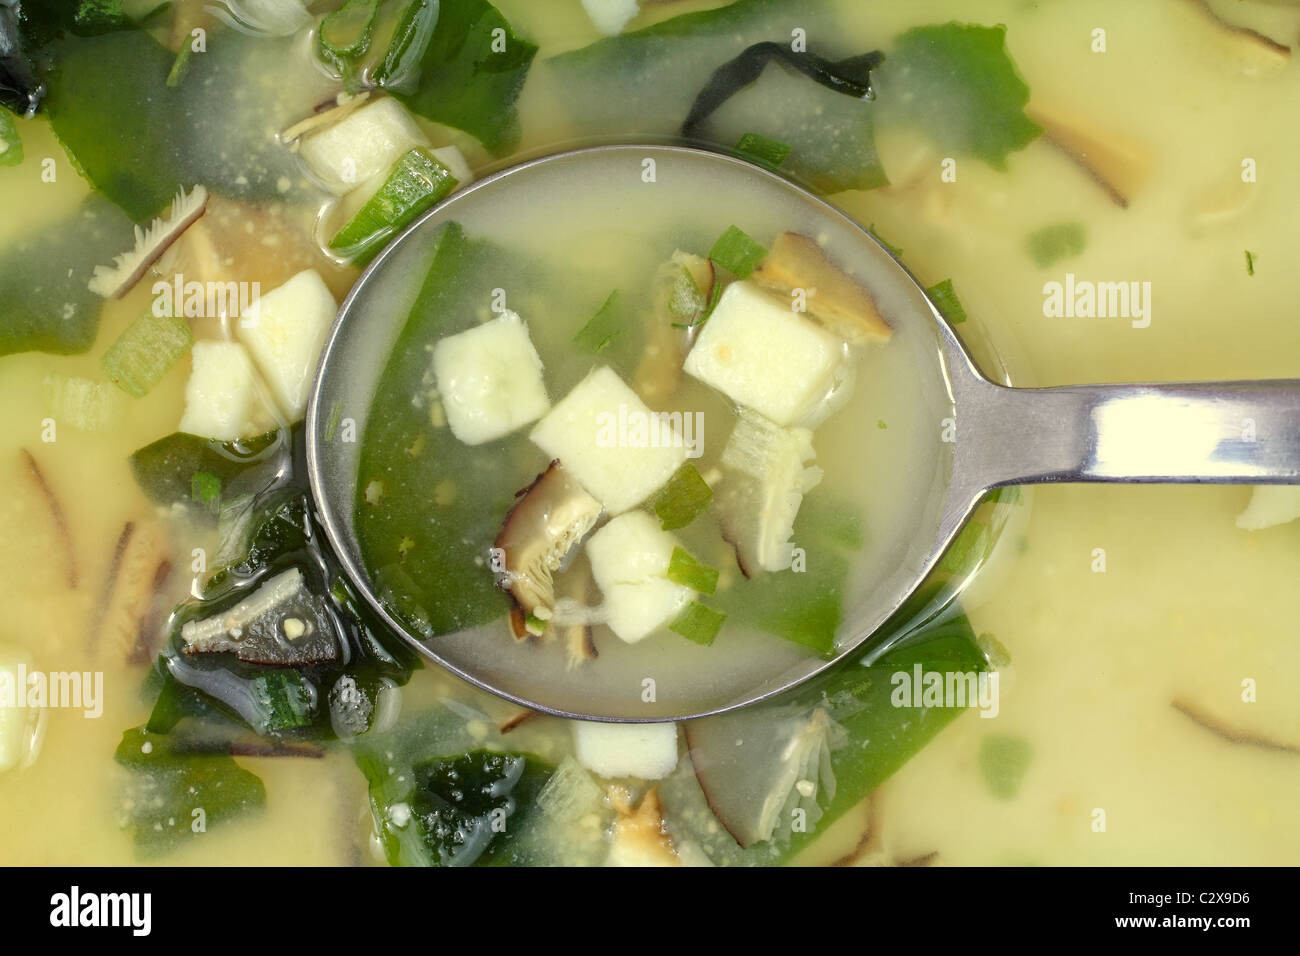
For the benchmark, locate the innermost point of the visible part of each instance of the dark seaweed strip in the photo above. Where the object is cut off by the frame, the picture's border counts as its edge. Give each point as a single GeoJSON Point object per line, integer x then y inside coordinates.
{"type": "Point", "coordinates": [851, 76]}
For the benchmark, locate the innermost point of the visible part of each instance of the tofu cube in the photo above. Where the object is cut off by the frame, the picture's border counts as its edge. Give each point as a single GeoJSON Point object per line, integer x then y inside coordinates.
{"type": "Point", "coordinates": [490, 379]}
{"type": "Point", "coordinates": [220, 397]}
{"type": "Point", "coordinates": [363, 144]}
{"type": "Point", "coordinates": [648, 751]}
{"type": "Point", "coordinates": [454, 160]}
{"type": "Point", "coordinates": [611, 16]}
{"type": "Point", "coordinates": [284, 331]}
{"type": "Point", "coordinates": [763, 355]}
{"type": "Point", "coordinates": [629, 560]}
{"type": "Point", "coordinates": [610, 441]}
{"type": "Point", "coordinates": [17, 724]}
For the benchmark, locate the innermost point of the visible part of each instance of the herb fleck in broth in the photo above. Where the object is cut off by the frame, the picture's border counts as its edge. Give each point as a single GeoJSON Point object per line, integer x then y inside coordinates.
{"type": "Point", "coordinates": [1123, 684]}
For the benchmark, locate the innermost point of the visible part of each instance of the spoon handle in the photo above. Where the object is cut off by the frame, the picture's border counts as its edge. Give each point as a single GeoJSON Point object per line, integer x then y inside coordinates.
{"type": "Point", "coordinates": [1195, 432]}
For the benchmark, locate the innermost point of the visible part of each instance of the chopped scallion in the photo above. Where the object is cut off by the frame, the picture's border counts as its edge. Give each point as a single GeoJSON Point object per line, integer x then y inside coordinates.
{"type": "Point", "coordinates": [416, 182]}
{"type": "Point", "coordinates": [1051, 244]}
{"type": "Point", "coordinates": [737, 253]}
{"type": "Point", "coordinates": [683, 499]}
{"type": "Point", "coordinates": [895, 251]}
{"type": "Point", "coordinates": [762, 150]}
{"type": "Point", "coordinates": [180, 65]}
{"type": "Point", "coordinates": [698, 623]}
{"type": "Point", "coordinates": [345, 34]}
{"type": "Point", "coordinates": [283, 699]}
{"type": "Point", "coordinates": [143, 353]}
{"type": "Point", "coordinates": [945, 300]}
{"type": "Point", "coordinates": [1250, 256]}
{"type": "Point", "coordinates": [400, 68]}
{"type": "Point", "coordinates": [686, 301]}
{"type": "Point", "coordinates": [685, 570]}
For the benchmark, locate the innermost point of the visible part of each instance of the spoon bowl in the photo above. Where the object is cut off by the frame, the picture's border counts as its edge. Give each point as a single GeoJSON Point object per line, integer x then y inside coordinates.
{"type": "Point", "coordinates": [983, 435]}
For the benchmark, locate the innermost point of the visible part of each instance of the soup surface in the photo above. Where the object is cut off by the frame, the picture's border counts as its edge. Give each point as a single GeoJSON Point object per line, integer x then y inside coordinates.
{"type": "Point", "coordinates": [1117, 640]}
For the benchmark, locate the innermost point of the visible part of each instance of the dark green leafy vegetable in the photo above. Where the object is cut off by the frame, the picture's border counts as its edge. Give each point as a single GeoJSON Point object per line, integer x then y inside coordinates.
{"type": "Point", "coordinates": [880, 737]}
{"type": "Point", "coordinates": [737, 253]}
{"type": "Point", "coordinates": [945, 300]}
{"type": "Point", "coordinates": [958, 83]}
{"type": "Point", "coordinates": [45, 303]}
{"type": "Point", "coordinates": [165, 470]}
{"type": "Point", "coordinates": [683, 499]}
{"type": "Point", "coordinates": [472, 73]}
{"type": "Point", "coordinates": [664, 67]}
{"type": "Point", "coordinates": [428, 563]}
{"type": "Point", "coordinates": [1003, 762]}
{"type": "Point", "coordinates": [1051, 244]}
{"type": "Point", "coordinates": [762, 150]}
{"type": "Point", "coordinates": [698, 623]}
{"type": "Point", "coordinates": [602, 328]}
{"type": "Point", "coordinates": [139, 140]}
{"type": "Point", "coordinates": [686, 570]}
{"type": "Point", "coordinates": [803, 606]}
{"type": "Point", "coordinates": [851, 77]}
{"type": "Point", "coordinates": [415, 183]}
{"type": "Point", "coordinates": [463, 805]}
{"type": "Point", "coordinates": [205, 489]}
{"type": "Point", "coordinates": [173, 795]}
{"type": "Point", "coordinates": [459, 810]}
{"type": "Point", "coordinates": [824, 517]}
{"type": "Point", "coordinates": [967, 550]}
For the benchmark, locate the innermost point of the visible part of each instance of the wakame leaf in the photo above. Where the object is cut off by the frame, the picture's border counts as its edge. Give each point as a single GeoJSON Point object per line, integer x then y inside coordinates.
{"type": "Point", "coordinates": [428, 562]}
{"type": "Point", "coordinates": [168, 790]}
{"type": "Point", "coordinates": [663, 69]}
{"type": "Point", "coordinates": [471, 75]}
{"type": "Point", "coordinates": [45, 303]}
{"type": "Point", "coordinates": [881, 736]}
{"type": "Point", "coordinates": [138, 140]}
{"type": "Point", "coordinates": [958, 83]}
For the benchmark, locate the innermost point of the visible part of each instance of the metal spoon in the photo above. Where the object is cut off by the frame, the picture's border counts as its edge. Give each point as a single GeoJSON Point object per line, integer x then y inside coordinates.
{"type": "Point", "coordinates": [1210, 432]}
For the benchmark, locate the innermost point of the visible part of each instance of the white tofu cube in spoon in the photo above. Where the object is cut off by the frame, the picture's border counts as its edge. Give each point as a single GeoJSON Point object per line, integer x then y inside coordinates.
{"type": "Point", "coordinates": [761, 354]}
{"type": "Point", "coordinates": [490, 380]}
{"type": "Point", "coordinates": [629, 561]}
{"type": "Point", "coordinates": [610, 441]}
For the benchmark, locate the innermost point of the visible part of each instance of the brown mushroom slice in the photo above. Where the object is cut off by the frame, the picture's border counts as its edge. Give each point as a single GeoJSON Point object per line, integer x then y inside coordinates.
{"type": "Point", "coordinates": [129, 268]}
{"type": "Point", "coordinates": [682, 288]}
{"type": "Point", "coordinates": [1251, 51]}
{"type": "Point", "coordinates": [550, 516]}
{"type": "Point", "coordinates": [834, 298]}
{"type": "Point", "coordinates": [130, 589]}
{"type": "Point", "coordinates": [1119, 165]}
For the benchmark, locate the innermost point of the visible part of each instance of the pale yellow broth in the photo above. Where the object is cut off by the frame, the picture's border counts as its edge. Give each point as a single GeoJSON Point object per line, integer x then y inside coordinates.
{"type": "Point", "coordinates": [1187, 608]}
